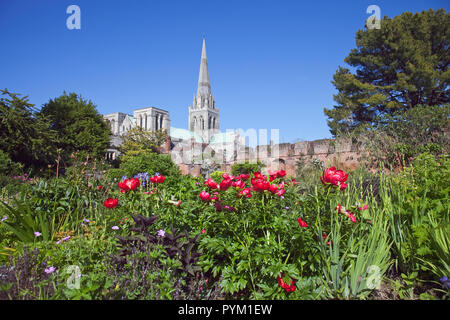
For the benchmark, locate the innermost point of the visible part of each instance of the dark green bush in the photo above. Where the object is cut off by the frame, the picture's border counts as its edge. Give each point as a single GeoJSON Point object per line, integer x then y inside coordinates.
{"type": "Point", "coordinates": [246, 168]}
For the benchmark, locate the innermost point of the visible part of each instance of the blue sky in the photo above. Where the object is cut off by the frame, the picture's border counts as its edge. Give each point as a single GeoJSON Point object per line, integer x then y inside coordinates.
{"type": "Point", "coordinates": [271, 62]}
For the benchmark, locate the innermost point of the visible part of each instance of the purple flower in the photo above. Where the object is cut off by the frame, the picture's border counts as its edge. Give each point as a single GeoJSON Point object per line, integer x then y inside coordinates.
{"type": "Point", "coordinates": [287, 208]}
{"type": "Point", "coordinates": [115, 228]}
{"type": "Point", "coordinates": [37, 234]}
{"type": "Point", "coordinates": [86, 220]}
{"type": "Point", "coordinates": [161, 233]}
{"type": "Point", "coordinates": [63, 239]}
{"type": "Point", "coordinates": [445, 281]}
{"type": "Point", "coordinates": [4, 218]}
{"type": "Point", "coordinates": [49, 270]}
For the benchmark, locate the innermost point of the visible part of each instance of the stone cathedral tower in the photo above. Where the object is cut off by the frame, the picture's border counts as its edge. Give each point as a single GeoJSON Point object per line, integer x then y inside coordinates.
{"type": "Point", "coordinates": [203, 114]}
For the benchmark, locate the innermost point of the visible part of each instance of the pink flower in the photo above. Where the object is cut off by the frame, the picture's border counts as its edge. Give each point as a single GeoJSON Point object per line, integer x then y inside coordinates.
{"type": "Point", "coordinates": [364, 208]}
{"type": "Point", "coordinates": [205, 196]}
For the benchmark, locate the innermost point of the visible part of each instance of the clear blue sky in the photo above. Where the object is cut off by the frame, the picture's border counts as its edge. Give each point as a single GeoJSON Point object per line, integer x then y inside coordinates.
{"type": "Point", "coordinates": [271, 62]}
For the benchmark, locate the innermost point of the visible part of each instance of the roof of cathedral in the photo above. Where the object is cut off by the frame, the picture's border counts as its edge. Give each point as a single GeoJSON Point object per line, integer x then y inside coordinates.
{"type": "Point", "coordinates": [184, 134]}
{"type": "Point", "coordinates": [223, 137]}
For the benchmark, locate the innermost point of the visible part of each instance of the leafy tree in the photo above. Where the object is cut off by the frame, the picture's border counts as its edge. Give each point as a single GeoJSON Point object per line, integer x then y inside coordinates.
{"type": "Point", "coordinates": [140, 141]}
{"type": "Point", "coordinates": [26, 137]}
{"type": "Point", "coordinates": [397, 139]}
{"type": "Point", "coordinates": [397, 67]}
{"type": "Point", "coordinates": [78, 124]}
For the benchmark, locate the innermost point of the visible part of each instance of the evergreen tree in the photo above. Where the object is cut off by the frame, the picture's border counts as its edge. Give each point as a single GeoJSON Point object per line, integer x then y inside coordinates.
{"type": "Point", "coordinates": [397, 67]}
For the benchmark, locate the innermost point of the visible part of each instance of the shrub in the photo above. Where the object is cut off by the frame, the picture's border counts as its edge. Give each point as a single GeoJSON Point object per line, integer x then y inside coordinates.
{"type": "Point", "coordinates": [246, 168]}
{"type": "Point", "coordinates": [151, 163]}
{"type": "Point", "coordinates": [155, 264]}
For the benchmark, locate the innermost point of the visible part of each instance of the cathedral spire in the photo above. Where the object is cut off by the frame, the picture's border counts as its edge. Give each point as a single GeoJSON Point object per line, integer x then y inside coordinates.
{"type": "Point", "coordinates": [204, 87]}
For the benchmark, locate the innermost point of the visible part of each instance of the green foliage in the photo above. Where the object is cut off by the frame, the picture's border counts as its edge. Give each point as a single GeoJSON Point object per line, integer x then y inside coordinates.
{"type": "Point", "coordinates": [150, 265]}
{"type": "Point", "coordinates": [151, 162]}
{"type": "Point", "coordinates": [78, 124]}
{"type": "Point", "coordinates": [217, 175]}
{"type": "Point", "coordinates": [139, 141]}
{"type": "Point", "coordinates": [25, 135]}
{"type": "Point", "coordinates": [399, 66]}
{"type": "Point", "coordinates": [397, 139]}
{"type": "Point", "coordinates": [7, 166]}
{"type": "Point", "coordinates": [246, 168]}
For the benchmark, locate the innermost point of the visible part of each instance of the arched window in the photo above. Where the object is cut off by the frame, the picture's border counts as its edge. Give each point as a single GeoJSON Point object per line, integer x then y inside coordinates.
{"type": "Point", "coordinates": [140, 121]}
{"type": "Point", "coordinates": [145, 121]}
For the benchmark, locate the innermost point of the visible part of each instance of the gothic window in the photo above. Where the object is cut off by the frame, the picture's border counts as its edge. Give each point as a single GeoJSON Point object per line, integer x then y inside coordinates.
{"type": "Point", "coordinates": [145, 121]}
{"type": "Point", "coordinates": [160, 121]}
{"type": "Point", "coordinates": [140, 121]}
{"type": "Point", "coordinates": [214, 123]}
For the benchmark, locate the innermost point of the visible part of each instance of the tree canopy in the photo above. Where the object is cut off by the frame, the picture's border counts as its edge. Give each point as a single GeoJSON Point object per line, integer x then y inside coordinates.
{"type": "Point", "coordinates": [139, 141]}
{"type": "Point", "coordinates": [24, 136]}
{"type": "Point", "coordinates": [397, 67]}
{"type": "Point", "coordinates": [78, 124]}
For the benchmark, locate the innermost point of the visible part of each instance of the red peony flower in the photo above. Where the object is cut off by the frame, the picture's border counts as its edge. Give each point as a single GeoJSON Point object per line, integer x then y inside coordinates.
{"type": "Point", "coordinates": [111, 203]}
{"type": "Point", "coordinates": [226, 176]}
{"type": "Point", "coordinates": [132, 183]}
{"type": "Point", "coordinates": [302, 223]}
{"type": "Point", "coordinates": [99, 187]}
{"type": "Point", "coordinates": [129, 184]}
{"type": "Point", "coordinates": [285, 286]}
{"type": "Point", "coordinates": [225, 184]}
{"type": "Point", "coordinates": [273, 188]}
{"type": "Point", "coordinates": [334, 177]}
{"type": "Point", "coordinates": [123, 187]}
{"type": "Point", "coordinates": [238, 184]}
{"type": "Point", "coordinates": [349, 214]}
{"type": "Point", "coordinates": [272, 177]}
{"type": "Point", "coordinates": [280, 192]}
{"type": "Point", "coordinates": [157, 179]}
{"type": "Point", "coordinates": [245, 192]}
{"type": "Point", "coordinates": [260, 185]}
{"type": "Point", "coordinates": [244, 176]}
{"type": "Point", "coordinates": [211, 184]}
{"type": "Point", "coordinates": [281, 173]}
{"type": "Point", "coordinates": [205, 196]}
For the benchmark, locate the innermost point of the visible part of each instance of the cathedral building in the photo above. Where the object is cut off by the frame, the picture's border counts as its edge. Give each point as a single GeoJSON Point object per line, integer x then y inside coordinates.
{"type": "Point", "coordinates": [203, 123]}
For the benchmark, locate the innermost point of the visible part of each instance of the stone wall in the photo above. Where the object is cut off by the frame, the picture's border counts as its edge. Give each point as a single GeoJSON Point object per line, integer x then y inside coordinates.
{"type": "Point", "coordinates": [331, 152]}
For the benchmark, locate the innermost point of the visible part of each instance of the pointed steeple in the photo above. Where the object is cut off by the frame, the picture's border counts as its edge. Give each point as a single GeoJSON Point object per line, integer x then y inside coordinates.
{"type": "Point", "coordinates": [204, 87]}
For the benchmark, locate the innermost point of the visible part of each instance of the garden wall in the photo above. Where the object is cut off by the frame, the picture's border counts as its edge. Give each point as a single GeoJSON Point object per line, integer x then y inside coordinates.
{"type": "Point", "coordinates": [340, 153]}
